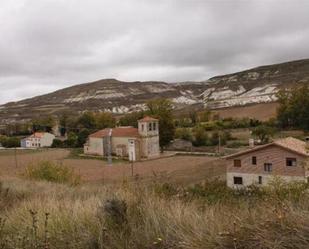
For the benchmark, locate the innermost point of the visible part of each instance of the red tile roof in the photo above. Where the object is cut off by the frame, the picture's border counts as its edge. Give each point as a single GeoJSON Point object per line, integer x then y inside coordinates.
{"type": "Point", "coordinates": [147, 119]}
{"type": "Point", "coordinates": [117, 132]}
{"type": "Point", "coordinates": [37, 135]}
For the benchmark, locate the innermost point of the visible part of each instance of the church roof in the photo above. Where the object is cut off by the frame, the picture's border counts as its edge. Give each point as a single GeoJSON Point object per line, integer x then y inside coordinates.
{"type": "Point", "coordinates": [127, 131]}
{"type": "Point", "coordinates": [147, 119]}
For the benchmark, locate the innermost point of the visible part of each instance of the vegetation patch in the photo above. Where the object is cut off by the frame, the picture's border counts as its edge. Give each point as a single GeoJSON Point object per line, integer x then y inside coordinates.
{"type": "Point", "coordinates": [156, 216]}
{"type": "Point", "coordinates": [52, 172]}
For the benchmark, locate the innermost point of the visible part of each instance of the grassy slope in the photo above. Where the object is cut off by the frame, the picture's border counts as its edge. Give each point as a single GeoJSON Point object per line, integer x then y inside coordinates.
{"type": "Point", "coordinates": [157, 217]}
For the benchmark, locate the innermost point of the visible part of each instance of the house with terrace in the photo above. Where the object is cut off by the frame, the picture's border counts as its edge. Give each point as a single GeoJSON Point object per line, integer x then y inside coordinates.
{"type": "Point", "coordinates": [286, 158]}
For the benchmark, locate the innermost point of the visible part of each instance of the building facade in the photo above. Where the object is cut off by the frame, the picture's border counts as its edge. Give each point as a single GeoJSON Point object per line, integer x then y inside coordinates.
{"type": "Point", "coordinates": [130, 142]}
{"type": "Point", "coordinates": [285, 158]}
{"type": "Point", "coordinates": [38, 140]}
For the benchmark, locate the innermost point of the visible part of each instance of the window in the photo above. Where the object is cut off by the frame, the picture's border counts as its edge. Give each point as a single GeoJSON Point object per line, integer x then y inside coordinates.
{"type": "Point", "coordinates": [154, 126]}
{"type": "Point", "coordinates": [268, 167]}
{"type": "Point", "coordinates": [260, 180]}
{"type": "Point", "coordinates": [143, 127]}
{"type": "Point", "coordinates": [150, 127]}
{"type": "Point", "coordinates": [254, 160]}
{"type": "Point", "coordinates": [291, 162]}
{"type": "Point", "coordinates": [237, 180]}
{"type": "Point", "coordinates": [237, 163]}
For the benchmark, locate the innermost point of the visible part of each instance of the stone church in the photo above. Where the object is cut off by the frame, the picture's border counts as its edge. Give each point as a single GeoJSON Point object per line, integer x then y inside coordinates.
{"type": "Point", "coordinates": [126, 141]}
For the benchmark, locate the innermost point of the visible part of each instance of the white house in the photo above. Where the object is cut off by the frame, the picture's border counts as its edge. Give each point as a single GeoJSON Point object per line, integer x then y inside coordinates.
{"type": "Point", "coordinates": [134, 143]}
{"type": "Point", "coordinates": [38, 140]}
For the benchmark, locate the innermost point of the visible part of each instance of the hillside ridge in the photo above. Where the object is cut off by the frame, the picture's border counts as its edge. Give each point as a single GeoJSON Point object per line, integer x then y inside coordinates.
{"type": "Point", "coordinates": [252, 86]}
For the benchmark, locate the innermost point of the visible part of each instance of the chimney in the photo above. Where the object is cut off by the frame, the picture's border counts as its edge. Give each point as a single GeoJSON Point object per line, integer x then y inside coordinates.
{"type": "Point", "coordinates": [251, 142]}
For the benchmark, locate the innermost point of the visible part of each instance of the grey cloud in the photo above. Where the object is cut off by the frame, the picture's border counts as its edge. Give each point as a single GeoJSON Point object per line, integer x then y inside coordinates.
{"type": "Point", "coordinates": [50, 44]}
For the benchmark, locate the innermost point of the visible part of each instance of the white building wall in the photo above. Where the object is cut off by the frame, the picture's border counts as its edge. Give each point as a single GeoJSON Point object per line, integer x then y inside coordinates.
{"type": "Point", "coordinates": [249, 179]}
{"type": "Point", "coordinates": [151, 147]}
{"type": "Point", "coordinates": [35, 142]}
{"type": "Point", "coordinates": [150, 138]}
{"type": "Point", "coordinates": [47, 140]}
{"type": "Point", "coordinates": [94, 146]}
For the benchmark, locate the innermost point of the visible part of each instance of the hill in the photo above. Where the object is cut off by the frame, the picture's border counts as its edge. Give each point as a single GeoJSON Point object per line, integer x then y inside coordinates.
{"type": "Point", "coordinates": [250, 87]}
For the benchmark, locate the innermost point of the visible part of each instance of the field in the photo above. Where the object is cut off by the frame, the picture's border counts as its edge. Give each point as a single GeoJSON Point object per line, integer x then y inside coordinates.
{"type": "Point", "coordinates": [171, 203]}
{"type": "Point", "coordinates": [262, 112]}
{"type": "Point", "coordinates": [185, 169]}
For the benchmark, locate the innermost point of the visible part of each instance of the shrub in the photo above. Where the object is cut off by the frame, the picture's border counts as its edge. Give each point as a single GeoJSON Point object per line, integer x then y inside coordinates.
{"type": "Point", "coordinates": [264, 133]}
{"type": "Point", "coordinates": [10, 142]}
{"type": "Point", "coordinates": [57, 143]}
{"type": "Point", "coordinates": [201, 137]}
{"type": "Point", "coordinates": [52, 172]}
{"type": "Point", "coordinates": [183, 133]}
{"type": "Point", "coordinates": [237, 144]}
{"type": "Point", "coordinates": [224, 136]}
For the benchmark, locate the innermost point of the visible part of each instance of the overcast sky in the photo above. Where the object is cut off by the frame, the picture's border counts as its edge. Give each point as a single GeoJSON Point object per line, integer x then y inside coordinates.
{"type": "Point", "coordinates": [50, 44]}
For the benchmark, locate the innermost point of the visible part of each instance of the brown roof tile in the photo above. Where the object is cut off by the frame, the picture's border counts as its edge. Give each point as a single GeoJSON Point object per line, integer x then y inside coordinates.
{"type": "Point", "coordinates": [37, 135]}
{"type": "Point", "coordinates": [147, 119]}
{"type": "Point", "coordinates": [293, 144]}
{"type": "Point", "coordinates": [117, 132]}
{"type": "Point", "coordinates": [289, 143]}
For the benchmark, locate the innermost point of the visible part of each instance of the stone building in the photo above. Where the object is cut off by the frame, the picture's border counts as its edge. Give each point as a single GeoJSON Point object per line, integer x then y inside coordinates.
{"type": "Point", "coordinates": [130, 142]}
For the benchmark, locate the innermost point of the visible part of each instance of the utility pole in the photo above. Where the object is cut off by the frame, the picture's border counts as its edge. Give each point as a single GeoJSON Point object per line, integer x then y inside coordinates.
{"type": "Point", "coordinates": [132, 169]}
{"type": "Point", "coordinates": [219, 143]}
{"type": "Point", "coordinates": [109, 148]}
{"type": "Point", "coordinates": [15, 156]}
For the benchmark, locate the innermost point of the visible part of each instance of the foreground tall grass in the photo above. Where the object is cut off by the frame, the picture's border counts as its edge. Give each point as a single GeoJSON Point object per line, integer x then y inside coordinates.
{"type": "Point", "coordinates": [36, 214]}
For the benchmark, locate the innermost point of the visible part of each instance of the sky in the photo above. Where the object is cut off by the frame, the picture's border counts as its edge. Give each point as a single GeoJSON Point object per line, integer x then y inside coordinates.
{"type": "Point", "coordinates": [47, 45]}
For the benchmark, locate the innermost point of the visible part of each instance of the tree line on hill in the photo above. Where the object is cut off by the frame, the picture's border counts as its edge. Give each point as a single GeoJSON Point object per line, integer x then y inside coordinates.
{"type": "Point", "coordinates": [204, 128]}
{"type": "Point", "coordinates": [79, 128]}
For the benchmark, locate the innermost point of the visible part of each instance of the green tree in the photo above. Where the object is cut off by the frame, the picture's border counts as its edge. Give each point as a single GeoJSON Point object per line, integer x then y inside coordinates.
{"type": "Point", "coordinates": [104, 120]}
{"type": "Point", "coordinates": [82, 137]}
{"type": "Point", "coordinates": [200, 137]}
{"type": "Point", "coordinates": [72, 140]}
{"type": "Point", "coordinates": [264, 133]}
{"type": "Point", "coordinates": [130, 119]}
{"type": "Point", "coordinates": [9, 142]}
{"type": "Point", "coordinates": [43, 124]}
{"type": "Point", "coordinates": [162, 109]}
{"type": "Point", "coordinates": [205, 115]}
{"type": "Point", "coordinates": [293, 108]}
{"type": "Point", "coordinates": [193, 117]}
{"type": "Point", "coordinates": [219, 136]}
{"type": "Point", "coordinates": [87, 120]}
{"type": "Point", "coordinates": [57, 143]}
{"type": "Point", "coordinates": [64, 123]}
{"type": "Point", "coordinates": [184, 133]}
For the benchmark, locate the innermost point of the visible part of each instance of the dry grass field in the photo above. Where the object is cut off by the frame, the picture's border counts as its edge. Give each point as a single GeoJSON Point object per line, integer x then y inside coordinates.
{"type": "Point", "coordinates": [185, 169]}
{"type": "Point", "coordinates": [261, 112]}
{"type": "Point", "coordinates": [136, 215]}
{"type": "Point", "coordinates": [161, 208]}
